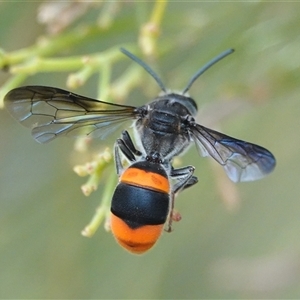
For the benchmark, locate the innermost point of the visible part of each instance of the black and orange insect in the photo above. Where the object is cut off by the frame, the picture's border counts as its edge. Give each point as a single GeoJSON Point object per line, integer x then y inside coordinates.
{"type": "Point", "coordinates": [164, 128]}
{"type": "Point", "coordinates": [144, 198]}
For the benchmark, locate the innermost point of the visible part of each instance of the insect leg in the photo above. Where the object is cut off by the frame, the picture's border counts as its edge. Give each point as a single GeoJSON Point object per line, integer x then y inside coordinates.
{"type": "Point", "coordinates": [125, 150]}
{"type": "Point", "coordinates": [128, 142]}
{"type": "Point", "coordinates": [120, 145]}
{"type": "Point", "coordinates": [118, 162]}
{"type": "Point", "coordinates": [126, 146]}
{"type": "Point", "coordinates": [185, 179]}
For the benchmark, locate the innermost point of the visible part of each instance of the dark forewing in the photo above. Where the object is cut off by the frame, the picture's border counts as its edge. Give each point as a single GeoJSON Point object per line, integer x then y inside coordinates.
{"type": "Point", "coordinates": [242, 161]}
{"type": "Point", "coordinates": [51, 112]}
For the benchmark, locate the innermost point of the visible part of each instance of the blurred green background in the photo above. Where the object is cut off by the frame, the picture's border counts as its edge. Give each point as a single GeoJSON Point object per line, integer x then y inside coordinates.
{"type": "Point", "coordinates": [234, 241]}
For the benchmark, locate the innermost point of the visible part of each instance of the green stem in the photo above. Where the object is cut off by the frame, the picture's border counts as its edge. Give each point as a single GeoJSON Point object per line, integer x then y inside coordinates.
{"type": "Point", "coordinates": [47, 47]}
{"type": "Point", "coordinates": [104, 208]}
{"type": "Point", "coordinates": [158, 12]}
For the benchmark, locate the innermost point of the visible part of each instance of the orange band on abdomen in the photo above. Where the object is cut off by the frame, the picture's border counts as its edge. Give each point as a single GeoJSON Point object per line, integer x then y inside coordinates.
{"type": "Point", "coordinates": [138, 240]}
{"type": "Point", "coordinates": [153, 181]}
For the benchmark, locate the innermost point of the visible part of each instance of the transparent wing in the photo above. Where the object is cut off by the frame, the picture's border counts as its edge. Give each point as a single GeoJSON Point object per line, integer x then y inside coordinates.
{"type": "Point", "coordinates": [242, 161]}
{"type": "Point", "coordinates": [51, 112]}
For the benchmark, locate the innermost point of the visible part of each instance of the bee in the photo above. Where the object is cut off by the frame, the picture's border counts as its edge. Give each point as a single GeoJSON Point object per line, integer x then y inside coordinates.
{"type": "Point", "coordinates": [163, 128]}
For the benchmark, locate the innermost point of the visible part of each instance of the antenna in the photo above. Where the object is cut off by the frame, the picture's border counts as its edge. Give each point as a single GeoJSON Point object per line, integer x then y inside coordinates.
{"type": "Point", "coordinates": [146, 67]}
{"type": "Point", "coordinates": [207, 66]}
